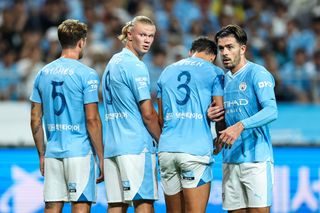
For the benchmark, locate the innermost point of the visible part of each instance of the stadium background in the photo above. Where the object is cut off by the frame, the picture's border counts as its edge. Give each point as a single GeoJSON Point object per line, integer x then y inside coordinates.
{"type": "Point", "coordinates": [284, 36]}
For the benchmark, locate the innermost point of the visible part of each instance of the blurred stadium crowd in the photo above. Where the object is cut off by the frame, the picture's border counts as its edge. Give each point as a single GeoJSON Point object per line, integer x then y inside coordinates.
{"type": "Point", "coordinates": [284, 36]}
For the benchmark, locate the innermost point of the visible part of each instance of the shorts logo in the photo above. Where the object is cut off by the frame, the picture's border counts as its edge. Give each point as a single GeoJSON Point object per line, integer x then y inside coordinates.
{"type": "Point", "coordinates": [187, 175]}
{"type": "Point", "coordinates": [243, 86]}
{"type": "Point", "coordinates": [126, 185]}
{"type": "Point", "coordinates": [72, 187]}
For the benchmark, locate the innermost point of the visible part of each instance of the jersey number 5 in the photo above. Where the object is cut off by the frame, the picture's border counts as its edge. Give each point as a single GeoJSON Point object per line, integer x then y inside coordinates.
{"type": "Point", "coordinates": [184, 86]}
{"type": "Point", "coordinates": [56, 94]}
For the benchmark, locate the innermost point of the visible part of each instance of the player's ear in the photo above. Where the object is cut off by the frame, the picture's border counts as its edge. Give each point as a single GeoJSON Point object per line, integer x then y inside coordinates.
{"type": "Point", "coordinates": [81, 43]}
{"type": "Point", "coordinates": [129, 35]}
{"type": "Point", "coordinates": [212, 58]}
{"type": "Point", "coordinates": [243, 49]}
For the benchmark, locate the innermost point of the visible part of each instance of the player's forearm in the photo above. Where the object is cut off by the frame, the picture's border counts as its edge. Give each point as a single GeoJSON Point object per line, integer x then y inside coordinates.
{"type": "Point", "coordinates": [266, 115]}
{"type": "Point", "coordinates": [38, 137]}
{"type": "Point", "coordinates": [95, 132]}
{"type": "Point", "coordinates": [220, 125]}
{"type": "Point", "coordinates": [37, 129]}
{"type": "Point", "coordinates": [152, 123]}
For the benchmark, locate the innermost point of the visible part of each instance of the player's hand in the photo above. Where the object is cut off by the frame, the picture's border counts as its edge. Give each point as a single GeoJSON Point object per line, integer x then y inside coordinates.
{"type": "Point", "coordinates": [231, 134]}
{"type": "Point", "coordinates": [41, 166]}
{"type": "Point", "coordinates": [218, 146]}
{"type": "Point", "coordinates": [215, 113]}
{"type": "Point", "coordinates": [101, 174]}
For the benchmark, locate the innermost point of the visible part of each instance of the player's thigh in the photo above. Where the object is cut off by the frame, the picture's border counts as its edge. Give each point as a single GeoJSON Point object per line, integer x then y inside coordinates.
{"type": "Point", "coordinates": [53, 207]}
{"type": "Point", "coordinates": [81, 178]}
{"type": "Point", "coordinates": [258, 181]}
{"type": "Point", "coordinates": [138, 176]}
{"type": "Point", "coordinates": [196, 199]}
{"type": "Point", "coordinates": [55, 186]}
{"type": "Point", "coordinates": [80, 207]}
{"type": "Point", "coordinates": [113, 183]}
{"type": "Point", "coordinates": [195, 171]}
{"type": "Point", "coordinates": [169, 174]}
{"type": "Point", "coordinates": [259, 210]}
{"type": "Point", "coordinates": [233, 192]}
{"type": "Point", "coordinates": [175, 203]}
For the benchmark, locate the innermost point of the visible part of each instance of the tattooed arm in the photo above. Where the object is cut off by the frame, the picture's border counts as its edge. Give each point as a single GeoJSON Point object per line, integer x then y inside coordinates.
{"type": "Point", "coordinates": [37, 132]}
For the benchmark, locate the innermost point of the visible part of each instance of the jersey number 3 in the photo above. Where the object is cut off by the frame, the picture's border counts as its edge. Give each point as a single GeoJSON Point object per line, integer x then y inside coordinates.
{"type": "Point", "coordinates": [184, 86]}
{"type": "Point", "coordinates": [56, 94]}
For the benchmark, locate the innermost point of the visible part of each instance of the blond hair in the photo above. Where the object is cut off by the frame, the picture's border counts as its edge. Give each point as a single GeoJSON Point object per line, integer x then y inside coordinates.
{"type": "Point", "coordinates": [129, 25]}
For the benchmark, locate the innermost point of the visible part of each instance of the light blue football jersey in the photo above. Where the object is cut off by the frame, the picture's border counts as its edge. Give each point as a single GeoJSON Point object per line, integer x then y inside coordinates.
{"type": "Point", "coordinates": [63, 87]}
{"type": "Point", "coordinates": [186, 89]}
{"type": "Point", "coordinates": [125, 83]}
{"type": "Point", "coordinates": [247, 92]}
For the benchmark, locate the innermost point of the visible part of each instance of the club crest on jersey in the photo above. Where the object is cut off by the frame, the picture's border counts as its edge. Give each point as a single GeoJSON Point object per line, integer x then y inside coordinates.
{"type": "Point", "coordinates": [243, 86]}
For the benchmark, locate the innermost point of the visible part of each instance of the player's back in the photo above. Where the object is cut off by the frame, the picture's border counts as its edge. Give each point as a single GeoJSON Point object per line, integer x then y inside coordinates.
{"type": "Point", "coordinates": [186, 88]}
{"type": "Point", "coordinates": [124, 84]}
{"type": "Point", "coordinates": [244, 93]}
{"type": "Point", "coordinates": [64, 86]}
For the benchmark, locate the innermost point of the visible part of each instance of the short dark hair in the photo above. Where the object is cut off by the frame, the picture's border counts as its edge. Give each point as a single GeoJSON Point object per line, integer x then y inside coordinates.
{"type": "Point", "coordinates": [70, 32]}
{"type": "Point", "coordinates": [204, 44]}
{"type": "Point", "coordinates": [236, 31]}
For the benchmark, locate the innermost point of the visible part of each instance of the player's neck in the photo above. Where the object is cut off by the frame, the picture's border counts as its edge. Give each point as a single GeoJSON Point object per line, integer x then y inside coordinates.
{"type": "Point", "coordinates": [136, 53]}
{"type": "Point", "coordinates": [70, 53]}
{"type": "Point", "coordinates": [242, 63]}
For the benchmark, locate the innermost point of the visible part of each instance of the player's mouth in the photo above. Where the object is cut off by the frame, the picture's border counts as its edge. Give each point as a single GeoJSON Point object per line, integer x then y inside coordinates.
{"type": "Point", "coordinates": [226, 60]}
{"type": "Point", "coordinates": [145, 47]}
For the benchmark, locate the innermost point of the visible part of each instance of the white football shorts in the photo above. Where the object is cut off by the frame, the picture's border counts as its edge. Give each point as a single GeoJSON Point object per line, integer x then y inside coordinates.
{"type": "Point", "coordinates": [70, 179]}
{"type": "Point", "coordinates": [247, 185]}
{"type": "Point", "coordinates": [182, 170]}
{"type": "Point", "coordinates": [131, 177]}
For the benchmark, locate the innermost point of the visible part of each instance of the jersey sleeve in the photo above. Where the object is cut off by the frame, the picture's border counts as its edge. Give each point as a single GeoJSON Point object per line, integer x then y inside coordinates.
{"type": "Point", "coordinates": [90, 88]}
{"type": "Point", "coordinates": [139, 82]}
{"type": "Point", "coordinates": [218, 83]}
{"type": "Point", "coordinates": [263, 84]}
{"type": "Point", "coordinates": [35, 95]}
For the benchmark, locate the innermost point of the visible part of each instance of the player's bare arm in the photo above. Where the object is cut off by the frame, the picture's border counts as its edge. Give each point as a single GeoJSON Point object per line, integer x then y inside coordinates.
{"type": "Point", "coordinates": [37, 132]}
{"type": "Point", "coordinates": [160, 112]}
{"type": "Point", "coordinates": [217, 101]}
{"type": "Point", "coordinates": [95, 131]}
{"type": "Point", "coordinates": [150, 118]}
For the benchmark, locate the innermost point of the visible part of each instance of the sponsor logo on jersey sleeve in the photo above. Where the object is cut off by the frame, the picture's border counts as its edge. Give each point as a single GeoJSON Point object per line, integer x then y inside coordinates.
{"type": "Point", "coordinates": [262, 84]}
{"type": "Point", "coordinates": [141, 82]}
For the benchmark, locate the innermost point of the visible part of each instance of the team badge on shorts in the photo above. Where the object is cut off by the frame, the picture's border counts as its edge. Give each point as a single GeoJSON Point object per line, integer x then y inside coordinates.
{"type": "Point", "coordinates": [72, 187]}
{"type": "Point", "coordinates": [126, 185]}
{"type": "Point", "coordinates": [243, 86]}
{"type": "Point", "coordinates": [188, 175]}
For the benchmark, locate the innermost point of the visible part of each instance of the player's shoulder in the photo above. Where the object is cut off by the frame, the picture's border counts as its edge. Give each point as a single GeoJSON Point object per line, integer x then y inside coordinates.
{"type": "Point", "coordinates": [259, 72]}
{"type": "Point", "coordinates": [256, 68]}
{"type": "Point", "coordinates": [170, 69]}
{"type": "Point", "coordinates": [218, 70]}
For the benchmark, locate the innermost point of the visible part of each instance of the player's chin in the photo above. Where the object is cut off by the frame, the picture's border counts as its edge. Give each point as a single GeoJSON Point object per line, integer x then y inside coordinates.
{"type": "Point", "coordinates": [145, 50]}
